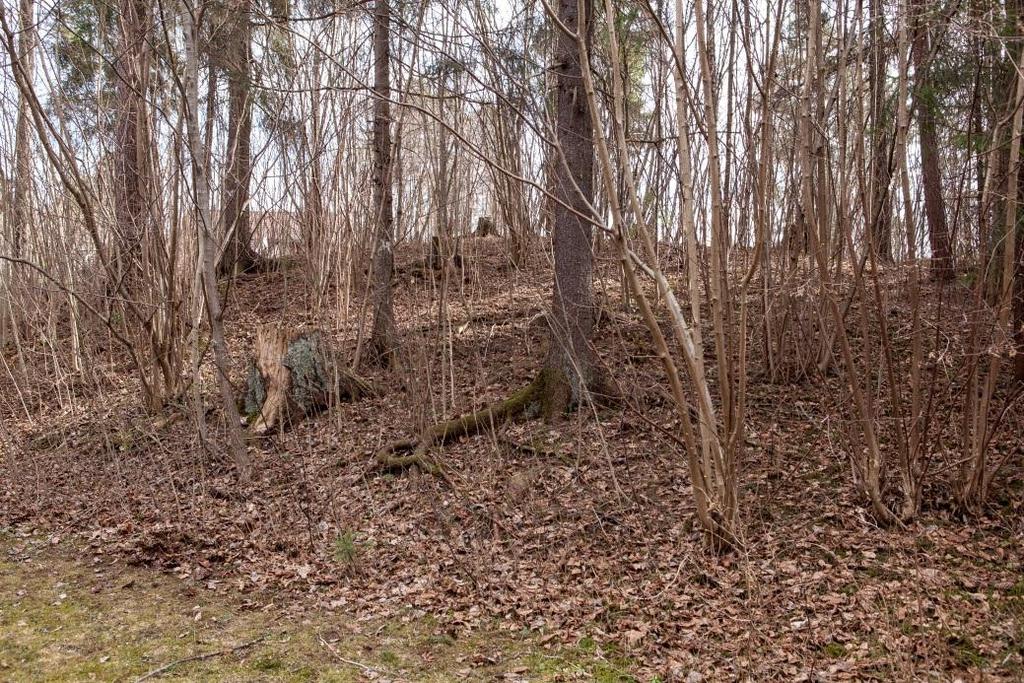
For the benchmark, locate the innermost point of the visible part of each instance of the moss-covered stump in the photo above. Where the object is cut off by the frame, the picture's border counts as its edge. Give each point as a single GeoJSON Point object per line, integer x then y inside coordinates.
{"type": "Point", "coordinates": [295, 374]}
{"type": "Point", "coordinates": [485, 226]}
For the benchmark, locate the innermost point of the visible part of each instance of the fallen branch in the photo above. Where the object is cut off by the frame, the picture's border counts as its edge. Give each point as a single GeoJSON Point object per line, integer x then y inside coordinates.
{"type": "Point", "coordinates": [538, 452]}
{"type": "Point", "coordinates": [365, 668]}
{"type": "Point", "coordinates": [547, 396]}
{"type": "Point", "coordinates": [200, 658]}
{"type": "Point", "coordinates": [488, 418]}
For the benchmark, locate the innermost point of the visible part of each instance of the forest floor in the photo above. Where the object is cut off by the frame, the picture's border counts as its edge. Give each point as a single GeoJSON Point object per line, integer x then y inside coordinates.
{"type": "Point", "coordinates": [67, 615]}
{"type": "Point", "coordinates": [570, 543]}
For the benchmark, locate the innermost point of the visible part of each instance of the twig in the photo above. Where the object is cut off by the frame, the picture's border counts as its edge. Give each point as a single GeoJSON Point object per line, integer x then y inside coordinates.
{"type": "Point", "coordinates": [199, 658]}
{"type": "Point", "coordinates": [351, 662]}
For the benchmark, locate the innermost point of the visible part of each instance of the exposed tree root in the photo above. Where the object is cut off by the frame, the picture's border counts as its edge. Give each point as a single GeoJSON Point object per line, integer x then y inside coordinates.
{"type": "Point", "coordinates": [406, 453]}
{"type": "Point", "coordinates": [352, 386]}
{"type": "Point", "coordinates": [547, 396]}
{"type": "Point", "coordinates": [720, 536]}
{"type": "Point", "coordinates": [249, 262]}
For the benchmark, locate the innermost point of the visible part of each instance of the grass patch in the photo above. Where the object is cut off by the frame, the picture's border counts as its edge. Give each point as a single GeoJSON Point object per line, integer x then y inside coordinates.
{"type": "Point", "coordinates": [268, 664]}
{"type": "Point", "coordinates": [924, 544]}
{"type": "Point", "coordinates": [834, 650]}
{"type": "Point", "coordinates": [65, 619]}
{"type": "Point", "coordinates": [965, 652]}
{"type": "Point", "coordinates": [589, 660]}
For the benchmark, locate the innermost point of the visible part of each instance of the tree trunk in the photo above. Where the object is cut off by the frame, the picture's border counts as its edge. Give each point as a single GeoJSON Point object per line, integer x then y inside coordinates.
{"type": "Point", "coordinates": [1018, 308]}
{"type": "Point", "coordinates": [1014, 9]}
{"type": "Point", "coordinates": [810, 178]}
{"type": "Point", "coordinates": [21, 208]}
{"type": "Point", "coordinates": [570, 365]}
{"type": "Point", "coordinates": [384, 337]}
{"type": "Point", "coordinates": [238, 256]}
{"type": "Point", "coordinates": [570, 373]}
{"type": "Point", "coordinates": [485, 226]}
{"type": "Point", "coordinates": [1017, 297]}
{"type": "Point", "coordinates": [880, 220]}
{"type": "Point", "coordinates": [131, 280]}
{"type": "Point", "coordinates": [131, 131]}
{"type": "Point", "coordinates": [931, 165]}
{"type": "Point", "coordinates": [207, 259]}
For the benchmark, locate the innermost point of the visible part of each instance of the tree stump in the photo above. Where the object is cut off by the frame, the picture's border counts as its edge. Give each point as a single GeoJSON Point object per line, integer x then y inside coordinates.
{"type": "Point", "coordinates": [437, 259]}
{"type": "Point", "coordinates": [485, 226]}
{"type": "Point", "coordinates": [293, 375]}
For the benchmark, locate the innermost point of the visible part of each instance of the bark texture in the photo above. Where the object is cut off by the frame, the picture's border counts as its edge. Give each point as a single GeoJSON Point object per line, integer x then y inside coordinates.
{"type": "Point", "coordinates": [21, 202]}
{"type": "Point", "coordinates": [132, 144]}
{"type": "Point", "coordinates": [384, 336]}
{"type": "Point", "coordinates": [293, 375]}
{"type": "Point", "coordinates": [1018, 308]}
{"type": "Point", "coordinates": [573, 314]}
{"type": "Point", "coordinates": [931, 163]}
{"type": "Point", "coordinates": [485, 226]}
{"type": "Point", "coordinates": [881, 142]}
{"type": "Point", "coordinates": [239, 256]}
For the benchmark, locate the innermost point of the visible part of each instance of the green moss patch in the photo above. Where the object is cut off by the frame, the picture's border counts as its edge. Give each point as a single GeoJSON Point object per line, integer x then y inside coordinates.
{"type": "Point", "coordinates": [69, 618]}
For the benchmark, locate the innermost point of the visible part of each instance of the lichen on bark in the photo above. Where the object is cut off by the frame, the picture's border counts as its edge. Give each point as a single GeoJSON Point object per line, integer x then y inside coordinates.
{"type": "Point", "coordinates": [293, 376]}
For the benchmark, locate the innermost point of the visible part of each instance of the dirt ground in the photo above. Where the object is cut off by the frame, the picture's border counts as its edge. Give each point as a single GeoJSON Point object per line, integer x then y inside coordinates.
{"type": "Point", "coordinates": [69, 615]}
{"type": "Point", "coordinates": [548, 552]}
